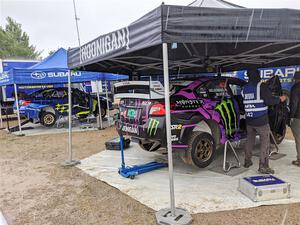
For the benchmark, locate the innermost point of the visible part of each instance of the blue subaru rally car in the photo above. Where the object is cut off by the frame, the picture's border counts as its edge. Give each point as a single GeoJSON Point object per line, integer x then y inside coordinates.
{"type": "Point", "coordinates": [47, 105]}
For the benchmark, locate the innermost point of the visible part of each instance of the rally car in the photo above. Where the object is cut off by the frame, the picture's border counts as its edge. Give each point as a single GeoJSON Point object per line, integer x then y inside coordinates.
{"type": "Point", "coordinates": [205, 113]}
{"type": "Point", "coordinates": [47, 105]}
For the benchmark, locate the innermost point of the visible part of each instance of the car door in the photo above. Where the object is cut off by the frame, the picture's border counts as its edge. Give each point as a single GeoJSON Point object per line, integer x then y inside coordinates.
{"type": "Point", "coordinates": [218, 93]}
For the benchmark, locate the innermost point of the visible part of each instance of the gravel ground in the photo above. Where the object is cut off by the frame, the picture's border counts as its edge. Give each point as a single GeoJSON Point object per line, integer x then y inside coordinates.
{"type": "Point", "coordinates": [37, 190]}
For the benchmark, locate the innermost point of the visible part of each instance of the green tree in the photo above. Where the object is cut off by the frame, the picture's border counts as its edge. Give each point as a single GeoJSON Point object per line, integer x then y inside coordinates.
{"type": "Point", "coordinates": [14, 43]}
{"type": "Point", "coordinates": [52, 51]}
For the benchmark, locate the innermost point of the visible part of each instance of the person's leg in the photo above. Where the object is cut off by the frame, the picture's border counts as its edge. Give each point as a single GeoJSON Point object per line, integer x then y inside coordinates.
{"type": "Point", "coordinates": [250, 142]}
{"type": "Point", "coordinates": [264, 137]}
{"type": "Point", "coordinates": [295, 126]}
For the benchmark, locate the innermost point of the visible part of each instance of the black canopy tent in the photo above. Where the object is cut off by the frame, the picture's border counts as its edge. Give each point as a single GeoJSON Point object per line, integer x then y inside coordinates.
{"type": "Point", "coordinates": [206, 38]}
{"type": "Point", "coordinates": [182, 39]}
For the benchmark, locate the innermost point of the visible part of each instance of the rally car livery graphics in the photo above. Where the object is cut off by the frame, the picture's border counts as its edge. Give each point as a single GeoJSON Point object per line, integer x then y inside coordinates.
{"type": "Point", "coordinates": [47, 105]}
{"type": "Point", "coordinates": [204, 115]}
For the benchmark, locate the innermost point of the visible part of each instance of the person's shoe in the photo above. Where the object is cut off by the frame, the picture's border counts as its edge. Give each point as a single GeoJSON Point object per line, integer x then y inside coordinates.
{"type": "Point", "coordinates": [248, 163]}
{"type": "Point", "coordinates": [266, 170]}
{"type": "Point", "coordinates": [296, 162]}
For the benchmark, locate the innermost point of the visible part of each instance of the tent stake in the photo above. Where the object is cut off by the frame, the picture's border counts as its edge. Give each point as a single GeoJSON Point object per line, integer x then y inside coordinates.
{"type": "Point", "coordinates": [70, 161]}
{"type": "Point", "coordinates": [170, 215]}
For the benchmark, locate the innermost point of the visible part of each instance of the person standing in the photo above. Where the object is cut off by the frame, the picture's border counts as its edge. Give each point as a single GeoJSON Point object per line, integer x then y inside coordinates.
{"type": "Point", "coordinates": [256, 98]}
{"type": "Point", "coordinates": [295, 115]}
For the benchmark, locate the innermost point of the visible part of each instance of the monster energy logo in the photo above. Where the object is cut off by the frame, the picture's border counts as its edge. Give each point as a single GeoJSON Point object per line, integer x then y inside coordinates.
{"type": "Point", "coordinates": [152, 127]}
{"type": "Point", "coordinates": [227, 111]}
{"type": "Point", "coordinates": [62, 108]}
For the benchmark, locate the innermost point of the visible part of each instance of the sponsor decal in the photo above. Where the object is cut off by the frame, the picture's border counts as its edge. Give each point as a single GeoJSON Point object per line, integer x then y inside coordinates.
{"type": "Point", "coordinates": [262, 180]}
{"type": "Point", "coordinates": [129, 129]}
{"type": "Point", "coordinates": [105, 44]}
{"type": "Point", "coordinates": [174, 138]}
{"type": "Point", "coordinates": [228, 114]}
{"type": "Point", "coordinates": [176, 127]}
{"type": "Point", "coordinates": [3, 76]}
{"type": "Point", "coordinates": [62, 107]}
{"type": "Point", "coordinates": [186, 104]}
{"type": "Point", "coordinates": [38, 75]}
{"type": "Point", "coordinates": [152, 127]}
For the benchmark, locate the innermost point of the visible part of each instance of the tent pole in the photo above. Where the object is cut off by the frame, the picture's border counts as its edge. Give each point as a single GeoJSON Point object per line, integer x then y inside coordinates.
{"type": "Point", "coordinates": [18, 109]}
{"type": "Point", "coordinates": [107, 103]}
{"type": "Point", "coordinates": [177, 216]}
{"type": "Point", "coordinates": [70, 161]}
{"type": "Point", "coordinates": [99, 105]}
{"type": "Point", "coordinates": [168, 125]}
{"type": "Point", "coordinates": [1, 120]}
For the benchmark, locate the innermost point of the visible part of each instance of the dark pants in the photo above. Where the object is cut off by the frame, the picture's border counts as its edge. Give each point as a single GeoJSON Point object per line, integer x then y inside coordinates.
{"type": "Point", "coordinates": [296, 132]}
{"type": "Point", "coordinates": [264, 136]}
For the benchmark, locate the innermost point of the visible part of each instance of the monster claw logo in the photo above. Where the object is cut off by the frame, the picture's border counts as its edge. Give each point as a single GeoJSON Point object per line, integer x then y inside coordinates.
{"type": "Point", "coordinates": [152, 127]}
{"type": "Point", "coordinates": [228, 114]}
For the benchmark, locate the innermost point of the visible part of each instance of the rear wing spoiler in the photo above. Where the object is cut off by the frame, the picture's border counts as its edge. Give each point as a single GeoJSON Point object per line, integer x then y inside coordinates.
{"type": "Point", "coordinates": [145, 89]}
{"type": "Point", "coordinates": [139, 89]}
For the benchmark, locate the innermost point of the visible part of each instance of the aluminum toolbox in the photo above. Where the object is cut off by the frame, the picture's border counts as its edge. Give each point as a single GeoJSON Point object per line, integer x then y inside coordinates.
{"type": "Point", "coordinates": [262, 188]}
{"type": "Point", "coordinates": [114, 144]}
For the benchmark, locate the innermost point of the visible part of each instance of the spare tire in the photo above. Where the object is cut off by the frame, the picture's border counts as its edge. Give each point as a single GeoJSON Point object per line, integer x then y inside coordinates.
{"type": "Point", "coordinates": [48, 119]}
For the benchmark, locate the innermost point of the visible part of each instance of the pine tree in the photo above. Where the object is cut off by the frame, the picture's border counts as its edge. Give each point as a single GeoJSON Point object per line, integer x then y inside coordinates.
{"type": "Point", "coordinates": [14, 43]}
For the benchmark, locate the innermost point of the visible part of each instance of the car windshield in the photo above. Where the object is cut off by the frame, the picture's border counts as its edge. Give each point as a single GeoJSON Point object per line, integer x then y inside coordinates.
{"type": "Point", "coordinates": [214, 89]}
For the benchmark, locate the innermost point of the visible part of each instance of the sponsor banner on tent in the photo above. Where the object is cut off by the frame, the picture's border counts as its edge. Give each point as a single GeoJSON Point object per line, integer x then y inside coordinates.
{"type": "Point", "coordinates": [143, 33]}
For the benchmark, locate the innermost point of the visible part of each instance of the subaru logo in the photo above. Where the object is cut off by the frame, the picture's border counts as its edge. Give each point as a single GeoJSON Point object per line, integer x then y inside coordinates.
{"type": "Point", "coordinates": [38, 75]}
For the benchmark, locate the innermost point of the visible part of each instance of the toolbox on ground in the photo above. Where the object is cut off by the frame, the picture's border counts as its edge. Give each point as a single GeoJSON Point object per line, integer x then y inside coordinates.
{"type": "Point", "coordinates": [114, 144]}
{"type": "Point", "coordinates": [262, 188]}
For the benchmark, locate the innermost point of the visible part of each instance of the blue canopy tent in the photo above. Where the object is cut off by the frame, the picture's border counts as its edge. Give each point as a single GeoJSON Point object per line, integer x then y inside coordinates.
{"type": "Point", "coordinates": [54, 70]}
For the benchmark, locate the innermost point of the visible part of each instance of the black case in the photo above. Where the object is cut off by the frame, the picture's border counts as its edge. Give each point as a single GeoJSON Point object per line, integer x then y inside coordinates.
{"type": "Point", "coordinates": [114, 144]}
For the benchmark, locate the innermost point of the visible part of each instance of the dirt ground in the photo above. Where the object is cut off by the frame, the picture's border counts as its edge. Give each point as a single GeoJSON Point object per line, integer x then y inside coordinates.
{"type": "Point", "coordinates": [35, 189]}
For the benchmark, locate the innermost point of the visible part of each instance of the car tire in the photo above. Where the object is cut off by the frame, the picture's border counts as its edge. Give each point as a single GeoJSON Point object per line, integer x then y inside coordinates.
{"type": "Point", "coordinates": [201, 151]}
{"type": "Point", "coordinates": [48, 119]}
{"type": "Point", "coordinates": [103, 111]}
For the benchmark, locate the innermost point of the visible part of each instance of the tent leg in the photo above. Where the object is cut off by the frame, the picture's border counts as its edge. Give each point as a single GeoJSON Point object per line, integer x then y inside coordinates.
{"type": "Point", "coordinates": [1, 120]}
{"type": "Point", "coordinates": [107, 103]}
{"type": "Point", "coordinates": [170, 215]}
{"type": "Point", "coordinates": [70, 161]}
{"type": "Point", "coordinates": [18, 110]}
{"type": "Point", "coordinates": [99, 106]}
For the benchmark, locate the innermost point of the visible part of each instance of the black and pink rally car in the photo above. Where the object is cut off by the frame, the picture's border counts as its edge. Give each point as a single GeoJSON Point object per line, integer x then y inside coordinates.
{"type": "Point", "coordinates": [205, 113]}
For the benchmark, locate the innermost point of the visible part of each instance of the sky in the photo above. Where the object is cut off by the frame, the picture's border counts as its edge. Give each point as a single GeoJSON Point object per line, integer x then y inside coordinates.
{"type": "Point", "coordinates": [50, 24]}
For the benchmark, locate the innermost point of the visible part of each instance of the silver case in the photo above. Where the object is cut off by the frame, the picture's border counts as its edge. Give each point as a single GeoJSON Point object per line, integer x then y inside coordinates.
{"type": "Point", "coordinates": [264, 193]}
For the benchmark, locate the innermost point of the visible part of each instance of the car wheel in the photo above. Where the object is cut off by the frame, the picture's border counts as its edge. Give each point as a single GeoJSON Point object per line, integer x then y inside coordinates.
{"type": "Point", "coordinates": [201, 151]}
{"type": "Point", "coordinates": [103, 111]}
{"type": "Point", "coordinates": [48, 119]}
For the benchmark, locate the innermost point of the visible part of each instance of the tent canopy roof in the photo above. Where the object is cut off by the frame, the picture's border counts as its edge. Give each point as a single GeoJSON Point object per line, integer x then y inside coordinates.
{"type": "Point", "coordinates": [200, 40]}
{"type": "Point", "coordinates": [214, 4]}
{"type": "Point", "coordinates": [53, 69]}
